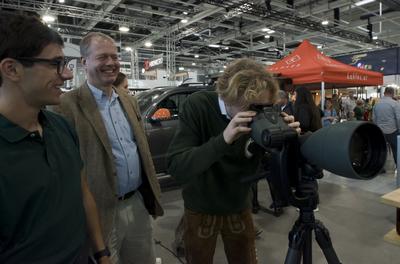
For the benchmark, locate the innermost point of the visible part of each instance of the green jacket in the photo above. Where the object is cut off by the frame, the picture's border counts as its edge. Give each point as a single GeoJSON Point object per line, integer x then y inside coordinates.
{"type": "Point", "coordinates": [209, 169]}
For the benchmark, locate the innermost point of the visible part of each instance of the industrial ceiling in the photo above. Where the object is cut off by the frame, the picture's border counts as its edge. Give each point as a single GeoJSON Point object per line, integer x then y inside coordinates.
{"type": "Point", "coordinates": [206, 33]}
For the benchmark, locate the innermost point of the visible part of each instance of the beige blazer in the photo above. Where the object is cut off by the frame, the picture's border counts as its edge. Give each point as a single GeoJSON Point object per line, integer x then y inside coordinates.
{"type": "Point", "coordinates": [80, 108]}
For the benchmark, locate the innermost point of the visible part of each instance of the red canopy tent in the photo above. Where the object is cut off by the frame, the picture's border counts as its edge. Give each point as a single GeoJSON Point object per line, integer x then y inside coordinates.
{"type": "Point", "coordinates": [307, 66]}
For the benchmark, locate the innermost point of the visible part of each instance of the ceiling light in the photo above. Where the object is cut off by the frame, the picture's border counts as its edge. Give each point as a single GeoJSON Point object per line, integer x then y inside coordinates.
{"type": "Point", "coordinates": [61, 1]}
{"type": "Point", "coordinates": [375, 37]}
{"type": "Point", "coordinates": [181, 68]}
{"type": "Point", "coordinates": [363, 2]}
{"type": "Point", "coordinates": [185, 13]}
{"type": "Point", "coordinates": [128, 49]}
{"type": "Point", "coordinates": [196, 56]}
{"type": "Point", "coordinates": [184, 20]}
{"type": "Point", "coordinates": [267, 36]}
{"type": "Point", "coordinates": [143, 70]}
{"type": "Point", "coordinates": [193, 64]}
{"type": "Point", "coordinates": [265, 29]}
{"type": "Point", "coordinates": [123, 29]}
{"type": "Point", "coordinates": [214, 46]}
{"type": "Point", "coordinates": [224, 66]}
{"type": "Point", "coordinates": [58, 29]}
{"type": "Point", "coordinates": [319, 46]}
{"type": "Point", "coordinates": [148, 44]}
{"type": "Point", "coordinates": [271, 31]}
{"type": "Point", "coordinates": [226, 48]}
{"type": "Point", "coordinates": [48, 18]}
{"type": "Point", "coordinates": [325, 22]}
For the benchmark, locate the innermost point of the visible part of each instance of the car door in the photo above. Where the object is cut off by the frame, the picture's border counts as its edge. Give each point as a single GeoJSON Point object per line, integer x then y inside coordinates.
{"type": "Point", "coordinates": [161, 131]}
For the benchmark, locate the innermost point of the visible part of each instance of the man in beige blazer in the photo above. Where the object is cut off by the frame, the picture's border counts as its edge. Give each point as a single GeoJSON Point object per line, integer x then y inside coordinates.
{"type": "Point", "coordinates": [114, 149]}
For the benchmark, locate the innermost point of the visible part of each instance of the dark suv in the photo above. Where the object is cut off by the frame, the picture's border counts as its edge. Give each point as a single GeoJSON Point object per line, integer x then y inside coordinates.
{"type": "Point", "coordinates": [161, 129]}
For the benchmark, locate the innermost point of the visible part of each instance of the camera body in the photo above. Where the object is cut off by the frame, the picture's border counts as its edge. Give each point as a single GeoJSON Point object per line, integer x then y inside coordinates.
{"type": "Point", "coordinates": [268, 129]}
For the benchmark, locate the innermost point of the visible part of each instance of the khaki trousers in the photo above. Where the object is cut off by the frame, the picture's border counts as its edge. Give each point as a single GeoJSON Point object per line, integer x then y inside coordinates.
{"type": "Point", "coordinates": [131, 240]}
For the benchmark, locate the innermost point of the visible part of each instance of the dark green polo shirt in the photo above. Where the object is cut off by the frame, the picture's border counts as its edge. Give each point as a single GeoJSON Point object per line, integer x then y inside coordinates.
{"type": "Point", "coordinates": [42, 218]}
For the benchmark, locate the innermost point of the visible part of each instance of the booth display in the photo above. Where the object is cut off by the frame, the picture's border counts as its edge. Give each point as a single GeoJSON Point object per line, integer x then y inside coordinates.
{"type": "Point", "coordinates": [307, 66]}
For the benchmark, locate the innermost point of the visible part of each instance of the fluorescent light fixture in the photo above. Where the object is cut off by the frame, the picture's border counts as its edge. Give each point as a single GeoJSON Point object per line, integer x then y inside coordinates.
{"type": "Point", "coordinates": [363, 29]}
{"type": "Point", "coordinates": [184, 21]}
{"type": "Point", "coordinates": [375, 37]}
{"type": "Point", "coordinates": [226, 48]}
{"type": "Point", "coordinates": [128, 49]}
{"type": "Point", "coordinates": [123, 29]}
{"type": "Point", "coordinates": [196, 56]}
{"type": "Point", "coordinates": [148, 44]}
{"type": "Point", "coordinates": [271, 31]}
{"type": "Point", "coordinates": [185, 13]}
{"type": "Point", "coordinates": [265, 29]}
{"type": "Point", "coordinates": [61, 1]}
{"type": "Point", "coordinates": [319, 46]}
{"type": "Point", "coordinates": [143, 70]}
{"type": "Point", "coordinates": [221, 71]}
{"type": "Point", "coordinates": [267, 36]}
{"type": "Point", "coordinates": [363, 2]}
{"type": "Point", "coordinates": [214, 46]}
{"type": "Point", "coordinates": [193, 64]}
{"type": "Point", "coordinates": [48, 18]}
{"type": "Point", "coordinates": [325, 22]}
{"type": "Point", "coordinates": [181, 68]}
{"type": "Point", "coordinates": [58, 29]}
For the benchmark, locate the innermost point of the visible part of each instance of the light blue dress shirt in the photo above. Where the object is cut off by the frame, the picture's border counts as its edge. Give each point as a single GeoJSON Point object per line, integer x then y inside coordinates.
{"type": "Point", "coordinates": [120, 134]}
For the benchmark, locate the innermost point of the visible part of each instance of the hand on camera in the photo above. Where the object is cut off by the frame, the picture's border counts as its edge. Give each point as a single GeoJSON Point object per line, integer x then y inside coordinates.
{"type": "Point", "coordinates": [238, 126]}
{"type": "Point", "coordinates": [291, 123]}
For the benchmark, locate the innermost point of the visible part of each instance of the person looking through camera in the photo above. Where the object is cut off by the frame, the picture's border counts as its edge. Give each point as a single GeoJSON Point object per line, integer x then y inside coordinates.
{"type": "Point", "coordinates": [208, 157]}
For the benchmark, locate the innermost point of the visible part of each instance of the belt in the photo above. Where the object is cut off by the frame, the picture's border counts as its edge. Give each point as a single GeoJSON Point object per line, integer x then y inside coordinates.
{"type": "Point", "coordinates": [126, 195]}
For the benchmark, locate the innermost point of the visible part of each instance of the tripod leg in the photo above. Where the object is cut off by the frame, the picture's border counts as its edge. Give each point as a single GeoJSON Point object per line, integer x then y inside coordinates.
{"type": "Point", "coordinates": [296, 241]}
{"type": "Point", "coordinates": [307, 246]}
{"type": "Point", "coordinates": [325, 243]}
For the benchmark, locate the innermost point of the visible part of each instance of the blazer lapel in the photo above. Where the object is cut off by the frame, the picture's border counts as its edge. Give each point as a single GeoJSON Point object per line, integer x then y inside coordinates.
{"type": "Point", "coordinates": [91, 112]}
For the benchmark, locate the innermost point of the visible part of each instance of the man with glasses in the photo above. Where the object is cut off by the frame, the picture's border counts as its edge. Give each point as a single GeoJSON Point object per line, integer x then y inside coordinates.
{"type": "Point", "coordinates": [114, 148]}
{"type": "Point", "coordinates": [46, 208]}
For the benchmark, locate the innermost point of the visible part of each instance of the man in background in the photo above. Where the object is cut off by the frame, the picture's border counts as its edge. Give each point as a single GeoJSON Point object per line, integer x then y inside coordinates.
{"type": "Point", "coordinates": [386, 115]}
{"type": "Point", "coordinates": [348, 105]}
{"type": "Point", "coordinates": [114, 148]}
{"type": "Point", "coordinates": [283, 104]}
{"type": "Point", "coordinates": [46, 208]}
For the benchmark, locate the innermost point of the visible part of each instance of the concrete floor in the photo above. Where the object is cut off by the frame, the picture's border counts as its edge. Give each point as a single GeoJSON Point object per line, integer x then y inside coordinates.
{"type": "Point", "coordinates": [350, 209]}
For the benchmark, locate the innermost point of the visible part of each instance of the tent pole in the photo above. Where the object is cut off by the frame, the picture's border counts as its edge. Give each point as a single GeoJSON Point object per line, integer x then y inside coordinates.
{"type": "Point", "coordinates": [322, 95]}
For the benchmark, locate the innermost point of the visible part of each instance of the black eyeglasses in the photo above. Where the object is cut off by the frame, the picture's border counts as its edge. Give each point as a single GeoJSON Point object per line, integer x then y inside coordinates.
{"type": "Point", "coordinates": [59, 62]}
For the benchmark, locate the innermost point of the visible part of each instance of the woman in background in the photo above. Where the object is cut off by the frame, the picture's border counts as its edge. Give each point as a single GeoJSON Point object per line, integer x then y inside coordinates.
{"type": "Point", "coordinates": [329, 113]}
{"type": "Point", "coordinates": [121, 82]}
{"type": "Point", "coordinates": [305, 110]}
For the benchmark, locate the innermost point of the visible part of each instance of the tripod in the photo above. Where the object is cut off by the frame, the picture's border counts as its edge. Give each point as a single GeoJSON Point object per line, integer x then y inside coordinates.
{"type": "Point", "coordinates": [300, 237]}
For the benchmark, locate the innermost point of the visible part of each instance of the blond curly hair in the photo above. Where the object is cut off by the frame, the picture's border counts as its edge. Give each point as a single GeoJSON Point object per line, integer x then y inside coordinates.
{"type": "Point", "coordinates": [244, 80]}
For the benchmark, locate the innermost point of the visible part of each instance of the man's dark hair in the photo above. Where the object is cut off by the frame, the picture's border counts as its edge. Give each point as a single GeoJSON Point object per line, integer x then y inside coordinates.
{"type": "Point", "coordinates": [24, 35]}
{"type": "Point", "coordinates": [389, 90]}
{"type": "Point", "coordinates": [120, 78]}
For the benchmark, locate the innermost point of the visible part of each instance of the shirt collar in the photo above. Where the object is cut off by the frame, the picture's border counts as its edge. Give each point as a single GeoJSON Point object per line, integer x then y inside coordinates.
{"type": "Point", "coordinates": [100, 96]}
{"type": "Point", "coordinates": [222, 107]}
{"type": "Point", "coordinates": [13, 132]}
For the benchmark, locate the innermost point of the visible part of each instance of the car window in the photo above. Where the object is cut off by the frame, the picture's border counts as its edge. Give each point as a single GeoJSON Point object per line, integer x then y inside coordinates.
{"type": "Point", "coordinates": [174, 103]}
{"type": "Point", "coordinates": [147, 98]}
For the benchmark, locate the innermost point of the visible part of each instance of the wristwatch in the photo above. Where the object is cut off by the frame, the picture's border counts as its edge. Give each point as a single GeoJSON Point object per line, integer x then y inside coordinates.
{"type": "Point", "coordinates": [99, 254]}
